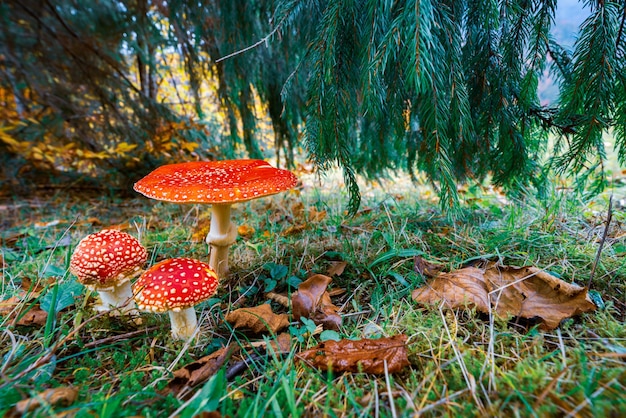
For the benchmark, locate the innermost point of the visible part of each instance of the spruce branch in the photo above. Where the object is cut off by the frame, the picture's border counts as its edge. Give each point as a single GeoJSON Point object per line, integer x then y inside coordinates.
{"type": "Point", "coordinates": [262, 41]}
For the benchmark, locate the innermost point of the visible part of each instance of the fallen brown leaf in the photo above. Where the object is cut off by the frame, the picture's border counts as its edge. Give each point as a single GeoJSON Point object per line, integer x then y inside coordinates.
{"type": "Point", "coordinates": [201, 370]}
{"type": "Point", "coordinates": [9, 239]}
{"type": "Point", "coordinates": [34, 317]}
{"type": "Point", "coordinates": [426, 268]}
{"type": "Point", "coordinates": [366, 355]}
{"type": "Point", "coordinates": [313, 301]}
{"type": "Point", "coordinates": [315, 215]}
{"type": "Point", "coordinates": [278, 298]}
{"type": "Point", "coordinates": [297, 209]}
{"type": "Point", "coordinates": [281, 344]}
{"type": "Point", "coordinates": [11, 308]}
{"type": "Point", "coordinates": [258, 319]}
{"type": "Point", "coordinates": [245, 231]}
{"type": "Point", "coordinates": [91, 220]}
{"type": "Point", "coordinates": [62, 396]}
{"type": "Point", "coordinates": [294, 229]}
{"type": "Point", "coordinates": [525, 292]}
{"type": "Point", "coordinates": [336, 268]}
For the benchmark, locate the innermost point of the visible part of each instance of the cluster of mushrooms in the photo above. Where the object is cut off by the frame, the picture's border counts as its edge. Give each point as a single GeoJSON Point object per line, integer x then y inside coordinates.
{"type": "Point", "coordinates": [107, 261]}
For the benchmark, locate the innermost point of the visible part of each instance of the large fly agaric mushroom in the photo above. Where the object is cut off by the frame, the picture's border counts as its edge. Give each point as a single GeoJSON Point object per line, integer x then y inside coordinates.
{"type": "Point", "coordinates": [106, 261]}
{"type": "Point", "coordinates": [176, 285]}
{"type": "Point", "coordinates": [220, 183]}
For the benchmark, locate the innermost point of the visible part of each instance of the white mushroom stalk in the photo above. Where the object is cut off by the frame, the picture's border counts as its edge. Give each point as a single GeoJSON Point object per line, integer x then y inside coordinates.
{"type": "Point", "coordinates": [184, 323]}
{"type": "Point", "coordinates": [221, 236]}
{"type": "Point", "coordinates": [118, 298]}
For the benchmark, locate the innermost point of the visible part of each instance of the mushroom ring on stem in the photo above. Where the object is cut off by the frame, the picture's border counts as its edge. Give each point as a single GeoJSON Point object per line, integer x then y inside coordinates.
{"type": "Point", "coordinates": [106, 261]}
{"type": "Point", "coordinates": [176, 285]}
{"type": "Point", "coordinates": [220, 183]}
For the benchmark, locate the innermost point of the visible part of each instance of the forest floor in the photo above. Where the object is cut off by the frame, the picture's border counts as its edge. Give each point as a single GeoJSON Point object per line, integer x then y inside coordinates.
{"type": "Point", "coordinates": [60, 358]}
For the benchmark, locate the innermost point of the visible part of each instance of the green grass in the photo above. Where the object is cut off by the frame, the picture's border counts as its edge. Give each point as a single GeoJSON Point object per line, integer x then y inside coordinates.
{"type": "Point", "coordinates": [461, 364]}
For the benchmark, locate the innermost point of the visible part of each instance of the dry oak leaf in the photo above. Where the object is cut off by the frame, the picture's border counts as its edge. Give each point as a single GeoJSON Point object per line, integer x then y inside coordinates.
{"type": "Point", "coordinates": [62, 396]}
{"type": "Point", "coordinates": [313, 301]}
{"type": "Point", "coordinates": [526, 292]}
{"type": "Point", "coordinates": [258, 319]}
{"type": "Point", "coordinates": [201, 370]}
{"type": "Point", "coordinates": [366, 355]}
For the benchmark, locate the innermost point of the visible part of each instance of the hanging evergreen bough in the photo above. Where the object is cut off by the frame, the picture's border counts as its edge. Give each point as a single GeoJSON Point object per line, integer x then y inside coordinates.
{"type": "Point", "coordinates": [445, 87]}
{"type": "Point", "coordinates": [450, 87]}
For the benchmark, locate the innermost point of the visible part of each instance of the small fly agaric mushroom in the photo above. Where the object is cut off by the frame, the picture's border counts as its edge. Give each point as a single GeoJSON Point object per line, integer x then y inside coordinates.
{"type": "Point", "coordinates": [176, 285]}
{"type": "Point", "coordinates": [220, 183]}
{"type": "Point", "coordinates": [106, 261]}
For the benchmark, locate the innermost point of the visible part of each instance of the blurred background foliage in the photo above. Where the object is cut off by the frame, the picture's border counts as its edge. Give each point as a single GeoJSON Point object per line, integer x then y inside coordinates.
{"type": "Point", "coordinates": [103, 91]}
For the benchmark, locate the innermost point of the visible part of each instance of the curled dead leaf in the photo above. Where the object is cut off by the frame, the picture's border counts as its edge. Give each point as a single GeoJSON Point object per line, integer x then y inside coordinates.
{"type": "Point", "coordinates": [525, 292]}
{"type": "Point", "coordinates": [61, 396]}
{"type": "Point", "coordinates": [313, 301]}
{"type": "Point", "coordinates": [366, 355]}
{"type": "Point", "coordinates": [336, 268]}
{"type": "Point", "coordinates": [278, 298]}
{"type": "Point", "coordinates": [200, 371]}
{"type": "Point", "coordinates": [258, 319]}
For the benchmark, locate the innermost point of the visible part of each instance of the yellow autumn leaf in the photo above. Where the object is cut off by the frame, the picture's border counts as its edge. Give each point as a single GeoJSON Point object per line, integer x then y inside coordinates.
{"type": "Point", "coordinates": [124, 147]}
{"type": "Point", "coordinates": [8, 139]}
{"type": "Point", "coordinates": [96, 155]}
{"type": "Point", "coordinates": [245, 231]}
{"type": "Point", "coordinates": [190, 146]}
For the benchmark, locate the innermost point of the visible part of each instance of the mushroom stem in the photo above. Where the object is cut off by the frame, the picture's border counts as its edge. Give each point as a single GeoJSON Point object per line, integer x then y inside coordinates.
{"type": "Point", "coordinates": [221, 235]}
{"type": "Point", "coordinates": [116, 299]}
{"type": "Point", "coordinates": [184, 323]}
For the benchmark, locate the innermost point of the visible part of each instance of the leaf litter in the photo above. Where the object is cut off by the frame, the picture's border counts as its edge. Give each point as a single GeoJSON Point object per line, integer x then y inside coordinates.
{"type": "Point", "coordinates": [199, 371]}
{"type": "Point", "coordinates": [525, 292]}
{"type": "Point", "coordinates": [312, 300]}
{"type": "Point", "coordinates": [258, 319]}
{"type": "Point", "coordinates": [60, 396]}
{"type": "Point", "coordinates": [359, 356]}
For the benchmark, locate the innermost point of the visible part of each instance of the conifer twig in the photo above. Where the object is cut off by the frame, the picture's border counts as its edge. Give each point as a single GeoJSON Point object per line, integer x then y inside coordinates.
{"type": "Point", "coordinates": [609, 216]}
{"type": "Point", "coordinates": [249, 47]}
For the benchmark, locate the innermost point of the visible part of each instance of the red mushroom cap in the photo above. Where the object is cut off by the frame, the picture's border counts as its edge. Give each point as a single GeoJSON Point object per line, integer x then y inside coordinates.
{"type": "Point", "coordinates": [107, 258]}
{"type": "Point", "coordinates": [225, 181]}
{"type": "Point", "coordinates": [175, 284]}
